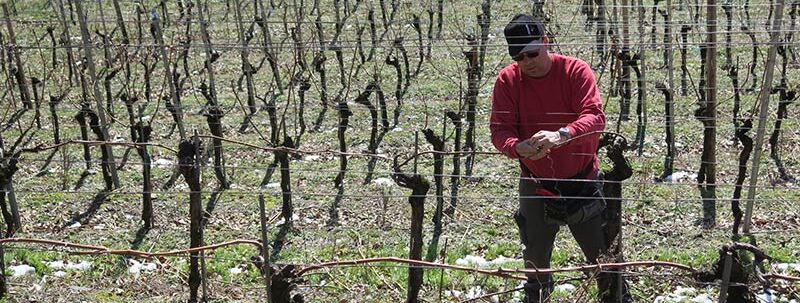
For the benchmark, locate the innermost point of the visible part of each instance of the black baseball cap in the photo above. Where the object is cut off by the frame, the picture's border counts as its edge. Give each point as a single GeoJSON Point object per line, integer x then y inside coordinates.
{"type": "Point", "coordinates": [524, 34]}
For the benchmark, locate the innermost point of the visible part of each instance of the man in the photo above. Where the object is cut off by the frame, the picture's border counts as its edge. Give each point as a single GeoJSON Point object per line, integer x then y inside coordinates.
{"type": "Point", "coordinates": [547, 112]}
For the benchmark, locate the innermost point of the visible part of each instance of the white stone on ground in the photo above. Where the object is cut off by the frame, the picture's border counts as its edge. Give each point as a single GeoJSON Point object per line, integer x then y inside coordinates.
{"type": "Point", "coordinates": [235, 270]}
{"type": "Point", "coordinates": [311, 158]}
{"type": "Point", "coordinates": [21, 270]}
{"type": "Point", "coordinates": [295, 218]}
{"type": "Point", "coordinates": [568, 288]}
{"type": "Point", "coordinates": [162, 162]}
{"type": "Point", "coordinates": [138, 267]}
{"type": "Point", "coordinates": [55, 265]}
{"type": "Point", "coordinates": [681, 175]}
{"type": "Point", "coordinates": [383, 182]}
{"type": "Point", "coordinates": [80, 266]}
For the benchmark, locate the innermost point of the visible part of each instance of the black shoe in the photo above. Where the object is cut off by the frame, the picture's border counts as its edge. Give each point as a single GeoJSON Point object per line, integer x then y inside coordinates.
{"type": "Point", "coordinates": [537, 293]}
{"type": "Point", "coordinates": [626, 298]}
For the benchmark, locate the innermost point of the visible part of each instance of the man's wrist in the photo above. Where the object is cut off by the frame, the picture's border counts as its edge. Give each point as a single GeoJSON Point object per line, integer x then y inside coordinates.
{"type": "Point", "coordinates": [564, 134]}
{"type": "Point", "coordinates": [515, 148]}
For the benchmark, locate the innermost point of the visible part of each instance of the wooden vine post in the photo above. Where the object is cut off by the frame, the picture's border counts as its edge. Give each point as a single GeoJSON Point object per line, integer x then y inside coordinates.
{"type": "Point", "coordinates": [3, 283]}
{"type": "Point", "coordinates": [264, 253]}
{"type": "Point", "coordinates": [669, 94]}
{"type": "Point", "coordinates": [641, 80]}
{"type": "Point", "coordinates": [65, 41]}
{"type": "Point", "coordinates": [624, 82]}
{"type": "Point", "coordinates": [709, 156]}
{"type": "Point", "coordinates": [684, 70]}
{"type": "Point", "coordinates": [247, 68]}
{"type": "Point", "coordinates": [475, 58]}
{"type": "Point", "coordinates": [108, 159]}
{"type": "Point", "coordinates": [763, 100]}
{"type": "Point", "coordinates": [601, 34]}
{"type": "Point", "coordinates": [19, 75]}
{"type": "Point", "coordinates": [213, 111]}
{"type": "Point", "coordinates": [726, 278]}
{"type": "Point", "coordinates": [173, 90]}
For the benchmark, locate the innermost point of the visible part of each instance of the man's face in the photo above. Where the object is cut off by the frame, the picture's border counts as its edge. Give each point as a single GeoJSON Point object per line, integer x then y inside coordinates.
{"type": "Point", "coordinates": [534, 64]}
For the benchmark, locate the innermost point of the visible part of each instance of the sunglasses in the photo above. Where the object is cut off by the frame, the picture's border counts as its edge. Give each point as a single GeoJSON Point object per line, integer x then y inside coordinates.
{"type": "Point", "coordinates": [521, 56]}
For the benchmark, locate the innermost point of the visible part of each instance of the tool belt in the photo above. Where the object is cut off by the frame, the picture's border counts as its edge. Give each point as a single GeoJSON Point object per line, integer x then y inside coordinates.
{"type": "Point", "coordinates": [575, 186]}
{"type": "Point", "coordinates": [578, 197]}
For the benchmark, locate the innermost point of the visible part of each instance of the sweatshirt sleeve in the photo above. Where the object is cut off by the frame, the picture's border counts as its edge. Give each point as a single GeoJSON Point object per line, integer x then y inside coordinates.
{"type": "Point", "coordinates": [504, 119]}
{"type": "Point", "coordinates": [586, 102]}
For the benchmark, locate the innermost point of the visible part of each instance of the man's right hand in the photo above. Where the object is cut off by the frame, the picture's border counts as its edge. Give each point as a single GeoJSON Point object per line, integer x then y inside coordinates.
{"type": "Point", "coordinates": [526, 150]}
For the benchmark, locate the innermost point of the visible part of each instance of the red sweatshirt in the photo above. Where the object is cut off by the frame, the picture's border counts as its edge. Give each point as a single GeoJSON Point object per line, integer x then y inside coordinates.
{"type": "Point", "coordinates": [566, 97]}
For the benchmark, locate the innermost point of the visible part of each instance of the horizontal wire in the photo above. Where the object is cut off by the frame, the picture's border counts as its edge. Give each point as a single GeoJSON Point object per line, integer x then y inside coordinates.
{"type": "Point", "coordinates": [232, 26]}
{"type": "Point", "coordinates": [463, 217]}
{"type": "Point", "coordinates": [425, 23]}
{"type": "Point", "coordinates": [722, 123]}
{"type": "Point", "coordinates": [209, 255]}
{"type": "Point", "coordinates": [314, 103]}
{"type": "Point", "coordinates": [723, 120]}
{"type": "Point", "coordinates": [78, 162]}
{"type": "Point", "coordinates": [393, 196]}
{"type": "Point", "coordinates": [311, 47]}
{"type": "Point", "coordinates": [75, 162]}
{"type": "Point", "coordinates": [193, 111]}
{"type": "Point", "coordinates": [722, 117]}
{"type": "Point", "coordinates": [292, 19]}
{"type": "Point", "coordinates": [561, 4]}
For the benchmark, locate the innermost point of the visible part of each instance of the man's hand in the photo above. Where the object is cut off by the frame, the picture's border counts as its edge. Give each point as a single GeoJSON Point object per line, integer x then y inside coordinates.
{"type": "Point", "coordinates": [538, 145]}
{"type": "Point", "coordinates": [525, 149]}
{"type": "Point", "coordinates": [545, 140]}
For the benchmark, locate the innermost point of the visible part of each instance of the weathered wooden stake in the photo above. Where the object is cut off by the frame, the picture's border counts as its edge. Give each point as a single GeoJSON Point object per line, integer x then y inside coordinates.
{"type": "Point", "coordinates": [22, 80]}
{"type": "Point", "coordinates": [3, 284]}
{"type": "Point", "coordinates": [173, 91]}
{"type": "Point", "coordinates": [87, 52]}
{"type": "Point", "coordinates": [763, 100]}
{"type": "Point", "coordinates": [726, 278]}
{"type": "Point", "coordinates": [266, 270]}
{"type": "Point", "coordinates": [670, 103]}
{"type": "Point", "coordinates": [213, 110]}
{"type": "Point", "coordinates": [709, 157]}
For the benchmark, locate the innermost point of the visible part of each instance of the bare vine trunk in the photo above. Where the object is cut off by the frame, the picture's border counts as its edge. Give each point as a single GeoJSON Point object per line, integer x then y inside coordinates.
{"type": "Point", "coordinates": [189, 155]}
{"type": "Point", "coordinates": [438, 169]}
{"type": "Point", "coordinates": [419, 189]}
{"type": "Point", "coordinates": [213, 110]}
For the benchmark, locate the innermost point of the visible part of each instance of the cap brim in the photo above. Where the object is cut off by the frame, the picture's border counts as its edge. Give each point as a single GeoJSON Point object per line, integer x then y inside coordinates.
{"type": "Point", "coordinates": [533, 46]}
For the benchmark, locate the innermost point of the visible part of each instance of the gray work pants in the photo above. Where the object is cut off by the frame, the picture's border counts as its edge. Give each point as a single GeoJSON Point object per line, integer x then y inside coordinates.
{"type": "Point", "coordinates": [538, 234]}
